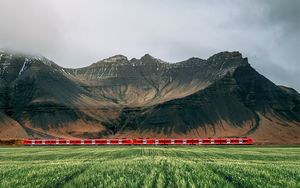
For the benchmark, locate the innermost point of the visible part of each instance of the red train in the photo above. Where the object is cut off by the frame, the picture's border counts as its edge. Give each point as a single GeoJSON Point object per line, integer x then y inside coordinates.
{"type": "Point", "coordinates": [141, 141]}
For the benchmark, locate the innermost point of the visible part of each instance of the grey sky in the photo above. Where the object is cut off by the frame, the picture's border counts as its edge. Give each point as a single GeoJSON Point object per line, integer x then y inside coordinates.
{"type": "Point", "coordinates": [76, 33]}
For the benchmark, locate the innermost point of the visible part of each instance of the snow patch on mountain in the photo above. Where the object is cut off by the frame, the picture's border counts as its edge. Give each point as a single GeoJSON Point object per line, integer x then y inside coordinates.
{"type": "Point", "coordinates": [24, 64]}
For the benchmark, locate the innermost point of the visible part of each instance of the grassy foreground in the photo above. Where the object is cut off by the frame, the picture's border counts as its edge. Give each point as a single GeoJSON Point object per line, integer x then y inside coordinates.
{"type": "Point", "coordinates": [150, 166]}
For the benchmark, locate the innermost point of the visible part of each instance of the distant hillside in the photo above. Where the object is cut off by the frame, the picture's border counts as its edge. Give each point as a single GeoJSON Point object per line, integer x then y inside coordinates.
{"type": "Point", "coordinates": [146, 97]}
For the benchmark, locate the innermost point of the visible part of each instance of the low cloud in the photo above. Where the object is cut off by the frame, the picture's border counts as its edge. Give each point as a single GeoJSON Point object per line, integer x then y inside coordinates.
{"type": "Point", "coordinates": [76, 33]}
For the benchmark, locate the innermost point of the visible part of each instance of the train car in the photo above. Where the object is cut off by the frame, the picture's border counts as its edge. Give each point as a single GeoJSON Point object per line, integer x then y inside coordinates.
{"type": "Point", "coordinates": [178, 141]}
{"type": "Point", "coordinates": [139, 141]}
{"type": "Point", "coordinates": [189, 141]}
{"type": "Point", "coordinates": [247, 141]}
{"type": "Point", "coordinates": [75, 142]}
{"type": "Point", "coordinates": [27, 142]}
{"type": "Point", "coordinates": [113, 141]}
{"type": "Point", "coordinates": [146, 141]}
{"type": "Point", "coordinates": [119, 141]}
{"type": "Point", "coordinates": [197, 141]}
{"type": "Point", "coordinates": [160, 141]}
{"type": "Point", "coordinates": [151, 141]}
{"type": "Point", "coordinates": [62, 142]}
{"type": "Point", "coordinates": [240, 141]}
{"type": "Point", "coordinates": [169, 141]}
{"type": "Point", "coordinates": [100, 141]}
{"type": "Point", "coordinates": [126, 141]}
{"type": "Point", "coordinates": [207, 141]}
{"type": "Point", "coordinates": [53, 142]}
{"type": "Point", "coordinates": [47, 142]}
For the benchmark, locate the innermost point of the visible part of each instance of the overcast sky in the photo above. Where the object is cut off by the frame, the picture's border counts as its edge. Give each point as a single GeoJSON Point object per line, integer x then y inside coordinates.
{"type": "Point", "coordinates": [76, 33]}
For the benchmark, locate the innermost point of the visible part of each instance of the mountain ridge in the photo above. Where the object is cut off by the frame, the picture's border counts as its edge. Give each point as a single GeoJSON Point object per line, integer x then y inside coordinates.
{"type": "Point", "coordinates": [220, 96]}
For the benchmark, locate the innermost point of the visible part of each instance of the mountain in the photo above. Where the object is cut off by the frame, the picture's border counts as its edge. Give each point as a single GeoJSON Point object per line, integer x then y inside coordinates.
{"type": "Point", "coordinates": [147, 97]}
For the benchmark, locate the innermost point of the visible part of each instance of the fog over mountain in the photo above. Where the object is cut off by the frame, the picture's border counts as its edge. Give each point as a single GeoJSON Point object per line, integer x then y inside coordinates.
{"type": "Point", "coordinates": [76, 33]}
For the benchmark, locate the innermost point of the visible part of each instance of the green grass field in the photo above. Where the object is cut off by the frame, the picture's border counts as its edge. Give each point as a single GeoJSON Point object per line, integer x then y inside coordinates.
{"type": "Point", "coordinates": [150, 166]}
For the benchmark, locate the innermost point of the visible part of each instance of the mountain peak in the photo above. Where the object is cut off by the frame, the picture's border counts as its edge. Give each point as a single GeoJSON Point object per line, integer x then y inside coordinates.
{"type": "Point", "coordinates": [226, 55]}
{"type": "Point", "coordinates": [7, 56]}
{"type": "Point", "coordinates": [148, 58]}
{"type": "Point", "coordinates": [116, 58]}
{"type": "Point", "coordinates": [228, 59]}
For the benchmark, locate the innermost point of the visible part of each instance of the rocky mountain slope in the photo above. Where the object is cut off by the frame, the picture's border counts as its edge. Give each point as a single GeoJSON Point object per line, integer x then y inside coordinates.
{"type": "Point", "coordinates": [117, 97]}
